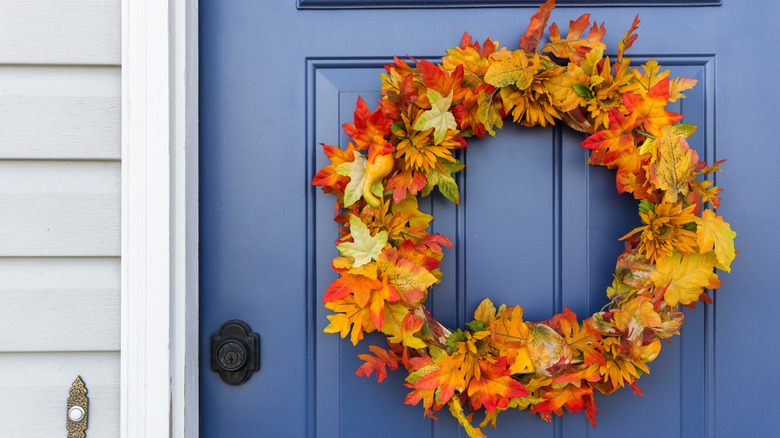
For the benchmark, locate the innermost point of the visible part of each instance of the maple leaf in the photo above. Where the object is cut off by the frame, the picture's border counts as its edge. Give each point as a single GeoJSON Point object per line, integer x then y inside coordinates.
{"type": "Point", "coordinates": [533, 35]}
{"type": "Point", "coordinates": [680, 84]}
{"type": "Point", "coordinates": [352, 318]}
{"type": "Point", "coordinates": [444, 83]}
{"type": "Point", "coordinates": [493, 388]}
{"type": "Point", "coordinates": [607, 145]}
{"type": "Point", "coordinates": [650, 108]}
{"type": "Point", "coordinates": [510, 68]}
{"type": "Point", "coordinates": [405, 181]}
{"type": "Point", "coordinates": [574, 47]}
{"type": "Point", "coordinates": [571, 396]}
{"type": "Point", "coordinates": [370, 130]}
{"type": "Point", "coordinates": [444, 180]}
{"type": "Point", "coordinates": [383, 360]}
{"type": "Point", "coordinates": [357, 285]}
{"type": "Point", "coordinates": [364, 247]}
{"type": "Point", "coordinates": [684, 276]}
{"type": "Point", "coordinates": [676, 163]}
{"type": "Point", "coordinates": [328, 176]}
{"type": "Point", "coordinates": [356, 171]}
{"type": "Point", "coordinates": [438, 117]}
{"type": "Point", "coordinates": [446, 379]}
{"type": "Point", "coordinates": [410, 280]}
{"type": "Point", "coordinates": [401, 325]}
{"type": "Point", "coordinates": [714, 233]}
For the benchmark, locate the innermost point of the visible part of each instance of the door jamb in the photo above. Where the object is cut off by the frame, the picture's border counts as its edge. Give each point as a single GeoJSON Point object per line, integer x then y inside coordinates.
{"type": "Point", "coordinates": [159, 285]}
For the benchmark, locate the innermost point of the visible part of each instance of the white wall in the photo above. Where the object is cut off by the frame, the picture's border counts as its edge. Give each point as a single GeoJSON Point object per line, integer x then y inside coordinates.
{"type": "Point", "coordinates": [60, 128]}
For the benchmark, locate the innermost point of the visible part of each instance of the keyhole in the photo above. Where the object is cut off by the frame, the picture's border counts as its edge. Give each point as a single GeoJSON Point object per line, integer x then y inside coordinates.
{"type": "Point", "coordinates": [231, 357]}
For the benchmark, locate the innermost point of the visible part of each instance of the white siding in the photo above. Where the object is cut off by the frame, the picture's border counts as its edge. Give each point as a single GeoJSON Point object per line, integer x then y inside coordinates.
{"type": "Point", "coordinates": [60, 127]}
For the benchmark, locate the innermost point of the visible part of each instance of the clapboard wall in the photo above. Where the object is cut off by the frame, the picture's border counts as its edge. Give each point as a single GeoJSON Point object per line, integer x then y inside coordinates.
{"type": "Point", "coordinates": [60, 127]}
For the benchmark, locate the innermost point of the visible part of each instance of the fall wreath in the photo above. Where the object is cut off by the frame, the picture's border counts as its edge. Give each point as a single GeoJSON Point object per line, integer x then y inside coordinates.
{"type": "Point", "coordinates": [388, 259]}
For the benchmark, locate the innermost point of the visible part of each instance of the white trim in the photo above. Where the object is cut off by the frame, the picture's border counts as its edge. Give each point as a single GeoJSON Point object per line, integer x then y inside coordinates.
{"type": "Point", "coordinates": [159, 341]}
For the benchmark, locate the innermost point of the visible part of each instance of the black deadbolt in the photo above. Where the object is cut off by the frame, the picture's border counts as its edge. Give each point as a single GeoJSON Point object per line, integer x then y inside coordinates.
{"type": "Point", "coordinates": [235, 352]}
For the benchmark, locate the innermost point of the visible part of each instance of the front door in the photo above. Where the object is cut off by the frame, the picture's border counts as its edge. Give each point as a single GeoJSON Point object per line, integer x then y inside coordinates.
{"type": "Point", "coordinates": [536, 226]}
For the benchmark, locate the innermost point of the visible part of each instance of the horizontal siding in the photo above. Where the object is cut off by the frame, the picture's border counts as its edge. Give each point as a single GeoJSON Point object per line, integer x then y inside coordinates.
{"type": "Point", "coordinates": [54, 208]}
{"type": "Point", "coordinates": [74, 303]}
{"type": "Point", "coordinates": [35, 392]}
{"type": "Point", "coordinates": [60, 32]}
{"type": "Point", "coordinates": [49, 112]}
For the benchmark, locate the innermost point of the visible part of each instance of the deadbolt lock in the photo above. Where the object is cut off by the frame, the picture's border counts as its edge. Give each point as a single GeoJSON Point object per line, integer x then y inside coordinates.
{"type": "Point", "coordinates": [235, 352]}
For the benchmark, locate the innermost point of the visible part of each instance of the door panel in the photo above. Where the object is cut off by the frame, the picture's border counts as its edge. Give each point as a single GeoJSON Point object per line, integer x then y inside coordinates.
{"type": "Point", "coordinates": [536, 225]}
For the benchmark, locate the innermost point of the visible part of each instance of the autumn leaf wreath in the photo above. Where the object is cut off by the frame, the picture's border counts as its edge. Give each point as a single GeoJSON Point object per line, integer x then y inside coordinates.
{"type": "Point", "coordinates": [388, 259]}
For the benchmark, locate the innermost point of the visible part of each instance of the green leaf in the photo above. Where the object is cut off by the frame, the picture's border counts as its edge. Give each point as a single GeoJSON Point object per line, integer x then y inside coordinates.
{"type": "Point", "coordinates": [454, 338]}
{"type": "Point", "coordinates": [446, 183]}
{"type": "Point", "coordinates": [583, 90]}
{"type": "Point", "coordinates": [356, 171]}
{"type": "Point", "coordinates": [364, 247]}
{"type": "Point", "coordinates": [438, 117]}
{"type": "Point", "coordinates": [683, 129]}
{"type": "Point", "coordinates": [646, 206]}
{"type": "Point", "coordinates": [476, 326]}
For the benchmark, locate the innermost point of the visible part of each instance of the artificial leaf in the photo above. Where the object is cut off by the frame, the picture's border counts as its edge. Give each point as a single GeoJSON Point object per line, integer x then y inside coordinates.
{"type": "Point", "coordinates": [351, 317]}
{"type": "Point", "coordinates": [405, 181]}
{"type": "Point", "coordinates": [328, 176]}
{"type": "Point", "coordinates": [510, 68]}
{"type": "Point", "coordinates": [370, 130]}
{"type": "Point", "coordinates": [457, 411]}
{"type": "Point", "coordinates": [357, 285]}
{"type": "Point", "coordinates": [627, 41]}
{"type": "Point", "coordinates": [444, 180]}
{"type": "Point", "coordinates": [486, 312]}
{"type": "Point", "coordinates": [443, 82]}
{"type": "Point", "coordinates": [489, 111]}
{"type": "Point", "coordinates": [364, 247]}
{"type": "Point", "coordinates": [684, 276]}
{"type": "Point", "coordinates": [447, 378]}
{"type": "Point", "coordinates": [571, 396]}
{"type": "Point", "coordinates": [533, 35]}
{"type": "Point", "coordinates": [356, 171]}
{"type": "Point", "coordinates": [493, 388]}
{"type": "Point", "coordinates": [574, 47]}
{"type": "Point", "coordinates": [607, 145]}
{"type": "Point", "coordinates": [676, 163]}
{"type": "Point", "coordinates": [583, 339]}
{"type": "Point", "coordinates": [383, 360]}
{"type": "Point", "coordinates": [410, 280]}
{"type": "Point", "coordinates": [677, 85]}
{"type": "Point", "coordinates": [508, 329]}
{"type": "Point", "coordinates": [547, 348]}
{"type": "Point", "coordinates": [570, 88]}
{"type": "Point", "coordinates": [650, 108]}
{"type": "Point", "coordinates": [401, 325]}
{"type": "Point", "coordinates": [714, 233]}
{"type": "Point", "coordinates": [438, 117]}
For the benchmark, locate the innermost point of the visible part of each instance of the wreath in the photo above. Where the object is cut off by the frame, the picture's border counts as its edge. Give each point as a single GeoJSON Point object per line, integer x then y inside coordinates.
{"type": "Point", "coordinates": [388, 259]}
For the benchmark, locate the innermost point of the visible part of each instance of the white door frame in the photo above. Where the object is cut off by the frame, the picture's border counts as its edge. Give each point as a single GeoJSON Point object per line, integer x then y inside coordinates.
{"type": "Point", "coordinates": [159, 337]}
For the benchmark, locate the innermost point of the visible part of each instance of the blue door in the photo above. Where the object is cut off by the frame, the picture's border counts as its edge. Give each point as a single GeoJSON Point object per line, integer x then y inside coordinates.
{"type": "Point", "coordinates": [278, 79]}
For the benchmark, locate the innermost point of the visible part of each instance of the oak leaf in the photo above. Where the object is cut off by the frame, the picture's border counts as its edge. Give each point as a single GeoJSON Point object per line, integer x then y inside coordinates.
{"type": "Point", "coordinates": [533, 34]}
{"type": "Point", "coordinates": [383, 360]}
{"type": "Point", "coordinates": [352, 317]}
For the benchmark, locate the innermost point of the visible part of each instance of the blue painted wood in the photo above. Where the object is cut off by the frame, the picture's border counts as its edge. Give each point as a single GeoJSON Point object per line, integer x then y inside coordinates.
{"type": "Point", "coordinates": [276, 81]}
{"type": "Point", "coordinates": [376, 4]}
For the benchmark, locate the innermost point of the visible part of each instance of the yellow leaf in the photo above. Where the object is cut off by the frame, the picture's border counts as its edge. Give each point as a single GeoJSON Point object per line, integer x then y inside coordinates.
{"type": "Point", "coordinates": [457, 411]}
{"type": "Point", "coordinates": [676, 163]}
{"type": "Point", "coordinates": [684, 276]}
{"type": "Point", "coordinates": [510, 68]}
{"type": "Point", "coordinates": [488, 112]}
{"type": "Point", "coordinates": [715, 233]}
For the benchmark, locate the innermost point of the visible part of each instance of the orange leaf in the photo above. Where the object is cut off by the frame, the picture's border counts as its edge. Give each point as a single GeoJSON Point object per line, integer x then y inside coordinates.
{"type": "Point", "coordinates": [574, 47]}
{"type": "Point", "coordinates": [494, 387]}
{"type": "Point", "coordinates": [370, 130]}
{"type": "Point", "coordinates": [530, 41]}
{"type": "Point", "coordinates": [384, 359]}
{"type": "Point", "coordinates": [357, 285]}
{"type": "Point", "coordinates": [508, 329]}
{"type": "Point", "coordinates": [676, 163]}
{"type": "Point", "coordinates": [607, 145]}
{"type": "Point", "coordinates": [650, 110]}
{"type": "Point", "coordinates": [448, 378]}
{"type": "Point", "coordinates": [409, 279]}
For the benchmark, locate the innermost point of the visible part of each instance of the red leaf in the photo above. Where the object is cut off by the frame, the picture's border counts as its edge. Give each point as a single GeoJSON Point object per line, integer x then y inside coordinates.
{"type": "Point", "coordinates": [530, 41]}
{"type": "Point", "coordinates": [383, 360]}
{"type": "Point", "coordinates": [494, 388]}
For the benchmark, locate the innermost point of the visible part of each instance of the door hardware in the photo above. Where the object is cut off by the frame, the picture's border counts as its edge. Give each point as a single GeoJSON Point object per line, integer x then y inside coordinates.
{"type": "Point", "coordinates": [235, 352]}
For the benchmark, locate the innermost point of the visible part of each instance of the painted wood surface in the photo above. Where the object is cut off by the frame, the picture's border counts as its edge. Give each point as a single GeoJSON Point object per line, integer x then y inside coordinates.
{"type": "Point", "coordinates": [35, 388]}
{"type": "Point", "coordinates": [60, 32]}
{"type": "Point", "coordinates": [267, 237]}
{"type": "Point", "coordinates": [65, 303]}
{"type": "Point", "coordinates": [59, 112]}
{"type": "Point", "coordinates": [59, 208]}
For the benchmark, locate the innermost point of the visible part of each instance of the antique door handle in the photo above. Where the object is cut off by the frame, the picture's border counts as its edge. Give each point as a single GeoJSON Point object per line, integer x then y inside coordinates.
{"type": "Point", "coordinates": [235, 352]}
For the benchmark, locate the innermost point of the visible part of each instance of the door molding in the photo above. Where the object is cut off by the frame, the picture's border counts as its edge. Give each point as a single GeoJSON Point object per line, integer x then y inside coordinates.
{"type": "Point", "coordinates": [159, 286]}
